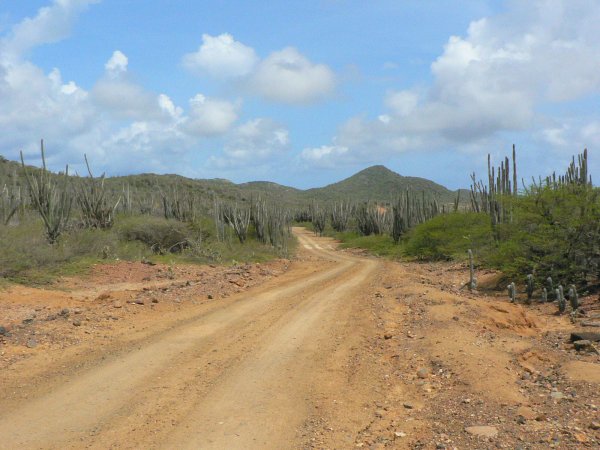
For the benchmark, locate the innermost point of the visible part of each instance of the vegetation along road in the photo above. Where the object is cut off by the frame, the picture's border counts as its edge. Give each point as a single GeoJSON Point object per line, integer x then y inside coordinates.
{"type": "Point", "coordinates": [340, 350]}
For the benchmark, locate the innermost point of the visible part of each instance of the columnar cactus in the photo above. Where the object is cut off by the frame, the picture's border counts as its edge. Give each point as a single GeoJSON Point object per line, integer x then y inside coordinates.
{"type": "Point", "coordinates": [562, 291]}
{"type": "Point", "coordinates": [472, 278]}
{"type": "Point", "coordinates": [562, 303]}
{"type": "Point", "coordinates": [512, 292]}
{"type": "Point", "coordinates": [550, 288]}
{"type": "Point", "coordinates": [51, 199]}
{"type": "Point", "coordinates": [573, 297]}
{"type": "Point", "coordinates": [530, 287]}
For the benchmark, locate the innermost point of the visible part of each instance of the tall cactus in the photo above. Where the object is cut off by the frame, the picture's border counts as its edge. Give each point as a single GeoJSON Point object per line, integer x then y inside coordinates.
{"type": "Point", "coordinates": [10, 201]}
{"type": "Point", "coordinates": [238, 218]}
{"type": "Point", "coordinates": [92, 198]}
{"type": "Point", "coordinates": [573, 297]}
{"type": "Point", "coordinates": [340, 215]}
{"type": "Point", "coordinates": [512, 292]}
{"type": "Point", "coordinates": [51, 199]}
{"type": "Point", "coordinates": [319, 218]}
{"type": "Point", "coordinates": [472, 278]}
{"type": "Point", "coordinates": [550, 288]}
{"type": "Point", "coordinates": [562, 303]}
{"type": "Point", "coordinates": [530, 288]}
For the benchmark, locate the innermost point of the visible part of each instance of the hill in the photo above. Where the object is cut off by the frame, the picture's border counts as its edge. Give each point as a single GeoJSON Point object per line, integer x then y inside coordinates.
{"type": "Point", "coordinates": [380, 183]}
{"type": "Point", "coordinates": [373, 183]}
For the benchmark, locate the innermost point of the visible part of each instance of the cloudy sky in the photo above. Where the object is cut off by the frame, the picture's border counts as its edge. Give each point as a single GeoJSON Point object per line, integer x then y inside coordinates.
{"type": "Point", "coordinates": [301, 92]}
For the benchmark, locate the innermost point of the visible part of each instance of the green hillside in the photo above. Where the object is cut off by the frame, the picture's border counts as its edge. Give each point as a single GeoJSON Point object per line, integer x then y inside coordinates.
{"type": "Point", "coordinates": [379, 183]}
{"type": "Point", "coordinates": [376, 183]}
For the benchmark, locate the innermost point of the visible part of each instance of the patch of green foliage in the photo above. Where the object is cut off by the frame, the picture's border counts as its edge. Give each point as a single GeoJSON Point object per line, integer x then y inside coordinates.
{"type": "Point", "coordinates": [554, 232]}
{"type": "Point", "coordinates": [376, 244]}
{"type": "Point", "coordinates": [28, 258]}
{"type": "Point", "coordinates": [449, 236]}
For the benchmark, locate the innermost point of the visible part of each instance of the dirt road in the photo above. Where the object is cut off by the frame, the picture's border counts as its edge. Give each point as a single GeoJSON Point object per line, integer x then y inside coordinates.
{"type": "Point", "coordinates": [337, 351]}
{"type": "Point", "coordinates": [242, 375]}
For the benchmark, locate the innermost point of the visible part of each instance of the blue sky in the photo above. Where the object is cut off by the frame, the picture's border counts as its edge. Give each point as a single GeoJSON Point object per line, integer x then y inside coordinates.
{"type": "Point", "coordinates": [302, 93]}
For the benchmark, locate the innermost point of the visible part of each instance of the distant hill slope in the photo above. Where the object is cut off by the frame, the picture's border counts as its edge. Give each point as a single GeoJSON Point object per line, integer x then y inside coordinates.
{"type": "Point", "coordinates": [374, 183]}
{"type": "Point", "coordinates": [380, 183]}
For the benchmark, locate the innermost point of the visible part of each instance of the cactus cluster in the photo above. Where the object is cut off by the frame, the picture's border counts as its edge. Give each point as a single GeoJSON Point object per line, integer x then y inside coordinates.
{"type": "Point", "coordinates": [238, 218]}
{"type": "Point", "coordinates": [319, 218]}
{"type": "Point", "coordinates": [577, 174]}
{"type": "Point", "coordinates": [410, 210]}
{"type": "Point", "coordinates": [179, 205]}
{"type": "Point", "coordinates": [558, 293]}
{"type": "Point", "coordinates": [489, 198]}
{"type": "Point", "coordinates": [340, 215]}
{"type": "Point", "coordinates": [96, 209]}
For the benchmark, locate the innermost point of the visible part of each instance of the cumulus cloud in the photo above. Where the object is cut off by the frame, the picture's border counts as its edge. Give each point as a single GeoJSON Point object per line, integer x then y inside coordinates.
{"type": "Point", "coordinates": [255, 142]}
{"type": "Point", "coordinates": [117, 64]}
{"type": "Point", "coordinates": [51, 24]}
{"type": "Point", "coordinates": [329, 156]}
{"type": "Point", "coordinates": [117, 95]}
{"type": "Point", "coordinates": [210, 116]}
{"type": "Point", "coordinates": [289, 77]}
{"type": "Point", "coordinates": [402, 103]}
{"type": "Point", "coordinates": [497, 78]}
{"type": "Point", "coordinates": [285, 76]}
{"type": "Point", "coordinates": [113, 122]}
{"type": "Point", "coordinates": [221, 57]}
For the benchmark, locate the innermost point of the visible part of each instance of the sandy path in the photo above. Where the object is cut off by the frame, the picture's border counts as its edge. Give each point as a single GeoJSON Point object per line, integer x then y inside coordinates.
{"type": "Point", "coordinates": [240, 376]}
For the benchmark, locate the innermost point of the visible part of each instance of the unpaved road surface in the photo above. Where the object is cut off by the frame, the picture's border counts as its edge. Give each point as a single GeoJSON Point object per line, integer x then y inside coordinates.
{"type": "Point", "coordinates": [338, 351]}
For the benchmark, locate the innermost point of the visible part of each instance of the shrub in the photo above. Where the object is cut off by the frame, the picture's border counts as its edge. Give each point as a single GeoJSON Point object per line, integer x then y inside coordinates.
{"type": "Point", "coordinates": [450, 236]}
{"type": "Point", "coordinates": [160, 235]}
{"type": "Point", "coordinates": [28, 257]}
{"type": "Point", "coordinates": [554, 232]}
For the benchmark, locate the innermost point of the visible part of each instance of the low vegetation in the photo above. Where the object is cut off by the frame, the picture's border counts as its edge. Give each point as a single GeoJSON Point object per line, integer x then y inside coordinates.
{"type": "Point", "coordinates": [548, 230]}
{"type": "Point", "coordinates": [56, 224]}
{"type": "Point", "coordinates": [52, 223]}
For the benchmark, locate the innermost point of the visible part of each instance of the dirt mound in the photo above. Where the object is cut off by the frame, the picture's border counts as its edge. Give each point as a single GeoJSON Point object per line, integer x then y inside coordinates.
{"type": "Point", "coordinates": [510, 317]}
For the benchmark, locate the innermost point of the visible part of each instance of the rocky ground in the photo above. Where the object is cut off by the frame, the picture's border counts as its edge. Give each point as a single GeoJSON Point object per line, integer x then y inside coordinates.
{"type": "Point", "coordinates": [112, 300]}
{"type": "Point", "coordinates": [470, 370]}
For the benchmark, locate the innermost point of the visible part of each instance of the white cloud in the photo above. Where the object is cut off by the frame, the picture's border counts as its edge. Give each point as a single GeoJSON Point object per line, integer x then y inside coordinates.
{"type": "Point", "coordinates": [256, 142]}
{"type": "Point", "coordinates": [125, 99]}
{"type": "Point", "coordinates": [402, 103]}
{"type": "Point", "coordinates": [328, 156]}
{"type": "Point", "coordinates": [500, 77]}
{"type": "Point", "coordinates": [287, 76]}
{"type": "Point", "coordinates": [222, 57]}
{"type": "Point", "coordinates": [51, 24]}
{"type": "Point", "coordinates": [116, 121]}
{"type": "Point", "coordinates": [167, 105]}
{"type": "Point", "coordinates": [210, 116]}
{"type": "Point", "coordinates": [117, 64]}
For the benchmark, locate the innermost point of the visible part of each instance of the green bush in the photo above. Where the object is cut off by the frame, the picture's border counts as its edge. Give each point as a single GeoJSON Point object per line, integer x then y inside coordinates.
{"type": "Point", "coordinates": [450, 236]}
{"type": "Point", "coordinates": [553, 232]}
{"type": "Point", "coordinates": [27, 256]}
{"type": "Point", "coordinates": [159, 234]}
{"type": "Point", "coordinates": [376, 244]}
